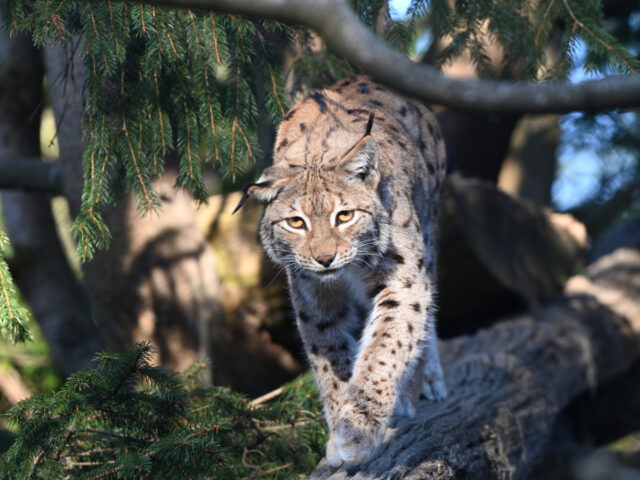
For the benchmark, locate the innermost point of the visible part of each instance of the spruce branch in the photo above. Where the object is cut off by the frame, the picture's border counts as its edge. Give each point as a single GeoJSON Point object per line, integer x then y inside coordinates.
{"type": "Point", "coordinates": [187, 82]}
{"type": "Point", "coordinates": [598, 38]}
{"type": "Point", "coordinates": [129, 419]}
{"type": "Point", "coordinates": [13, 315]}
{"type": "Point", "coordinates": [156, 86]}
{"type": "Point", "coordinates": [143, 184]}
{"type": "Point", "coordinates": [350, 38]}
{"type": "Point", "coordinates": [275, 92]}
{"type": "Point", "coordinates": [215, 37]}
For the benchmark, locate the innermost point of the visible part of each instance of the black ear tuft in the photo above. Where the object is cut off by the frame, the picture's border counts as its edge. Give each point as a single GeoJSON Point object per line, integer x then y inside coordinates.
{"type": "Point", "coordinates": [362, 160]}
{"type": "Point", "coordinates": [245, 194]}
{"type": "Point", "coordinates": [369, 124]}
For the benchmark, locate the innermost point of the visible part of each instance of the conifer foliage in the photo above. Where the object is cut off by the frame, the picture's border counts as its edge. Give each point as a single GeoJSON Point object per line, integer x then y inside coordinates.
{"type": "Point", "coordinates": [13, 315]}
{"type": "Point", "coordinates": [128, 419]}
{"type": "Point", "coordinates": [522, 29]}
{"type": "Point", "coordinates": [163, 80]}
{"type": "Point", "coordinates": [159, 80]}
{"type": "Point", "coordinates": [192, 83]}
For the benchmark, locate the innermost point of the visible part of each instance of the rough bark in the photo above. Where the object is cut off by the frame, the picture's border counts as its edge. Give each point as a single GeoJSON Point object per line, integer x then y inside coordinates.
{"type": "Point", "coordinates": [39, 266]}
{"type": "Point", "coordinates": [157, 281]}
{"type": "Point", "coordinates": [607, 414]}
{"type": "Point", "coordinates": [508, 383]}
{"type": "Point", "coordinates": [350, 38]}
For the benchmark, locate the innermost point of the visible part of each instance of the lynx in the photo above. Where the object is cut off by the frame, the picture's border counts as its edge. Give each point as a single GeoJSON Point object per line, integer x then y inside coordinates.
{"type": "Point", "coordinates": [351, 209]}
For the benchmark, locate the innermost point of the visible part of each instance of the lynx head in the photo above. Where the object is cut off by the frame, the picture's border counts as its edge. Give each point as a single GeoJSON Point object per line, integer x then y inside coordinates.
{"type": "Point", "coordinates": [322, 218]}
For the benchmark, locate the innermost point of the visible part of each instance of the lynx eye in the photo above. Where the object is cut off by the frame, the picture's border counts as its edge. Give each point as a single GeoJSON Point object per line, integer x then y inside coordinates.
{"type": "Point", "coordinates": [344, 216]}
{"type": "Point", "coordinates": [296, 222]}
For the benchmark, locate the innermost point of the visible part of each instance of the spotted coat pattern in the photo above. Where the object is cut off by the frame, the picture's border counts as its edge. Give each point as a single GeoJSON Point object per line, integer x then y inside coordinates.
{"type": "Point", "coordinates": [362, 289]}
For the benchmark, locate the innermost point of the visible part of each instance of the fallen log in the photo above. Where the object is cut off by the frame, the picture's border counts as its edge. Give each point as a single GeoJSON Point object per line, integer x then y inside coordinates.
{"type": "Point", "coordinates": [509, 382]}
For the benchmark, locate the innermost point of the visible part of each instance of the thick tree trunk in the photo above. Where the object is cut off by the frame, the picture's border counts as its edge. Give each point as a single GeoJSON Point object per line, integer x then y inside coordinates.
{"type": "Point", "coordinates": [508, 383]}
{"type": "Point", "coordinates": [157, 281]}
{"type": "Point", "coordinates": [477, 143]}
{"type": "Point", "coordinates": [40, 267]}
{"type": "Point", "coordinates": [529, 168]}
{"type": "Point", "coordinates": [517, 151]}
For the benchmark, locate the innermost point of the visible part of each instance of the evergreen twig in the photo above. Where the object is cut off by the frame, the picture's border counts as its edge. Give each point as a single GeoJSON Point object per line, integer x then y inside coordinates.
{"type": "Point", "coordinates": [13, 315]}
{"type": "Point", "coordinates": [129, 419]}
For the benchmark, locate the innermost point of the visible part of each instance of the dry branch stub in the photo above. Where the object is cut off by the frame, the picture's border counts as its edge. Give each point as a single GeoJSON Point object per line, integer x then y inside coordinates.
{"type": "Point", "coordinates": [509, 382]}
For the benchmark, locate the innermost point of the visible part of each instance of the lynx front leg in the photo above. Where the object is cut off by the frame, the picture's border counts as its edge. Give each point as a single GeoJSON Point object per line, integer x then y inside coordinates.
{"type": "Point", "coordinates": [329, 348]}
{"type": "Point", "coordinates": [390, 351]}
{"type": "Point", "coordinates": [433, 386]}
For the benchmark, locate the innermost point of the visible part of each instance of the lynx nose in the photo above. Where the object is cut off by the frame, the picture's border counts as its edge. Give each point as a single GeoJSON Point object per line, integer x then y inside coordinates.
{"type": "Point", "coordinates": [325, 259]}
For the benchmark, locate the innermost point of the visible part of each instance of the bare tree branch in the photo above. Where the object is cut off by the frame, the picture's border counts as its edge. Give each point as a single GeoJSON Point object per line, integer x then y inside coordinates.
{"type": "Point", "coordinates": [349, 37]}
{"type": "Point", "coordinates": [30, 174]}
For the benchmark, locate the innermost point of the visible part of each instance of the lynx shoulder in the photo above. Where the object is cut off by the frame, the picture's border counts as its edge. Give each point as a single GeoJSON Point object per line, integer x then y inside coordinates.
{"type": "Point", "coordinates": [351, 209]}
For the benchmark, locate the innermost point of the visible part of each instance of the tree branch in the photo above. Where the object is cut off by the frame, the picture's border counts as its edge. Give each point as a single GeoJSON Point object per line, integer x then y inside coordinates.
{"type": "Point", "coordinates": [30, 174]}
{"type": "Point", "coordinates": [350, 38]}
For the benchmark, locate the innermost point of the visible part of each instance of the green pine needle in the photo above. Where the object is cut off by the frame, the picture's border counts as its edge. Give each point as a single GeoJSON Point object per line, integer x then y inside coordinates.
{"type": "Point", "coordinates": [127, 418]}
{"type": "Point", "coordinates": [13, 315]}
{"type": "Point", "coordinates": [199, 85]}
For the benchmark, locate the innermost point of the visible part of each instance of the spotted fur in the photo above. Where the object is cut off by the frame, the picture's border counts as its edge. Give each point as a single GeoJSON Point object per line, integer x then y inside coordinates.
{"type": "Point", "coordinates": [363, 289]}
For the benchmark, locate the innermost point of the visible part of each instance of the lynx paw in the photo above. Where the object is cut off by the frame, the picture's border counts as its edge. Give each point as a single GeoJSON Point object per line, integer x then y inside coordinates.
{"type": "Point", "coordinates": [405, 407]}
{"type": "Point", "coordinates": [354, 445]}
{"type": "Point", "coordinates": [433, 386]}
{"type": "Point", "coordinates": [358, 435]}
{"type": "Point", "coordinates": [333, 457]}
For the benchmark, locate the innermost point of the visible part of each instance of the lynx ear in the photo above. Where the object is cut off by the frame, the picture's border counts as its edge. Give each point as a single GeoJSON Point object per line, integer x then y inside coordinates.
{"type": "Point", "coordinates": [266, 188]}
{"type": "Point", "coordinates": [362, 160]}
